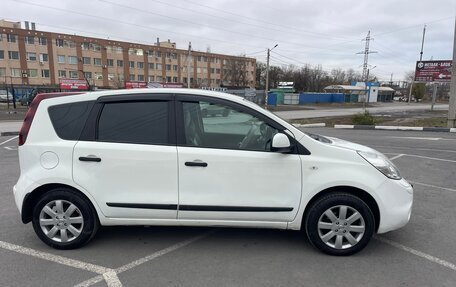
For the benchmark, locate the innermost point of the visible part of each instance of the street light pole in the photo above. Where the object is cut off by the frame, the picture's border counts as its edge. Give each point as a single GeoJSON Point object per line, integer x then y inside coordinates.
{"type": "Point", "coordinates": [267, 77]}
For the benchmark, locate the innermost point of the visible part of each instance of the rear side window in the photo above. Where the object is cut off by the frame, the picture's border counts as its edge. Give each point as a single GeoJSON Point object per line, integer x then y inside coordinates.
{"type": "Point", "coordinates": [134, 122]}
{"type": "Point", "coordinates": [69, 119]}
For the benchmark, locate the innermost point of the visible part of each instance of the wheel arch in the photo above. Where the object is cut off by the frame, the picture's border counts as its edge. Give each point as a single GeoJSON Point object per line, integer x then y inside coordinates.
{"type": "Point", "coordinates": [33, 197]}
{"type": "Point", "coordinates": [362, 194]}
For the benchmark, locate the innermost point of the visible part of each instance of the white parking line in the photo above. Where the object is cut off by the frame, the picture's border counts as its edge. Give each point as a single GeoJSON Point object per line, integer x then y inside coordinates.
{"type": "Point", "coordinates": [145, 259]}
{"type": "Point", "coordinates": [397, 156]}
{"type": "Point", "coordinates": [421, 254]}
{"type": "Point", "coordinates": [111, 281]}
{"type": "Point", "coordinates": [414, 148]}
{"type": "Point", "coordinates": [8, 140]}
{"type": "Point", "coordinates": [433, 186]}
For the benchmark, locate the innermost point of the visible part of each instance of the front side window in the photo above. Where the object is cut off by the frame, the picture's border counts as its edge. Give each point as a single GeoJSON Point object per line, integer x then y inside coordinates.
{"type": "Point", "coordinates": [134, 122]}
{"type": "Point", "coordinates": [213, 125]}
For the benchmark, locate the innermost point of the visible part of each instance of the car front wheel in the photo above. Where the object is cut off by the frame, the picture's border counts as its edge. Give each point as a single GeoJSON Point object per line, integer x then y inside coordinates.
{"type": "Point", "coordinates": [340, 224]}
{"type": "Point", "coordinates": [63, 219]}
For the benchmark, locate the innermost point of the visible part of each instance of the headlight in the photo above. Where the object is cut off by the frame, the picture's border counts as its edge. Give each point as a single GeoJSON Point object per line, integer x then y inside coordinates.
{"type": "Point", "coordinates": [382, 163]}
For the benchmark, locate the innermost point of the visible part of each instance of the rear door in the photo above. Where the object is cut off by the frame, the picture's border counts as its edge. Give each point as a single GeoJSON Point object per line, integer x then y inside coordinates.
{"type": "Point", "coordinates": [127, 159]}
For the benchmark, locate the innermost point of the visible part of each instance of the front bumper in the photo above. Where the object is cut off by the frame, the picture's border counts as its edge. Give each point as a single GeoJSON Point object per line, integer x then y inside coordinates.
{"type": "Point", "coordinates": [395, 204]}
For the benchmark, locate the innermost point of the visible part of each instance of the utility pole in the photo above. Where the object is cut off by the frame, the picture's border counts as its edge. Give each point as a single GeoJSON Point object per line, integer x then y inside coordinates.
{"type": "Point", "coordinates": [188, 63]}
{"type": "Point", "coordinates": [422, 43]}
{"type": "Point", "coordinates": [391, 80]}
{"type": "Point", "coordinates": [452, 105]}
{"type": "Point", "coordinates": [266, 88]}
{"type": "Point", "coordinates": [366, 53]}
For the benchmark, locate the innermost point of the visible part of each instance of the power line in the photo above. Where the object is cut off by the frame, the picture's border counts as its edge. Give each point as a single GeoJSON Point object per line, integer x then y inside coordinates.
{"type": "Point", "coordinates": [127, 23]}
{"type": "Point", "coordinates": [199, 24]}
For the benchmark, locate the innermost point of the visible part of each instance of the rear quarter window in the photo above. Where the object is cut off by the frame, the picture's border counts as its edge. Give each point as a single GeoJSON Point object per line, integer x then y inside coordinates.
{"type": "Point", "coordinates": [69, 119]}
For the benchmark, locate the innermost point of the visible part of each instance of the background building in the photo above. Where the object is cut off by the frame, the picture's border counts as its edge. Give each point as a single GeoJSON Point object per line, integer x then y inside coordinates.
{"type": "Point", "coordinates": [30, 57]}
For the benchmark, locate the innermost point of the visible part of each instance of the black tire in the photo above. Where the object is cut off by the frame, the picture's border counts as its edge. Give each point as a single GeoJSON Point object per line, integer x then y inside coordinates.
{"type": "Point", "coordinates": [335, 200]}
{"type": "Point", "coordinates": [89, 218]}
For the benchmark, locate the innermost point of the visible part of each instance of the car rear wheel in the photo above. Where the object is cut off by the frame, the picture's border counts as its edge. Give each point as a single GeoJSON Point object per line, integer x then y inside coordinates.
{"type": "Point", "coordinates": [340, 224]}
{"type": "Point", "coordinates": [64, 220]}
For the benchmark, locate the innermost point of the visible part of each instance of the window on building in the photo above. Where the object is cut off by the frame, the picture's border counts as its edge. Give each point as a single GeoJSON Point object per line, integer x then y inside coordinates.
{"type": "Point", "coordinates": [158, 66]}
{"type": "Point", "coordinates": [2, 72]}
{"type": "Point", "coordinates": [131, 64]}
{"type": "Point", "coordinates": [30, 56]}
{"type": "Point", "coordinates": [2, 54]}
{"type": "Point", "coordinates": [151, 78]}
{"type": "Point", "coordinates": [168, 67]}
{"type": "Point", "coordinates": [61, 59]}
{"type": "Point", "coordinates": [132, 77]}
{"type": "Point", "coordinates": [74, 74]}
{"type": "Point", "coordinates": [95, 47]}
{"type": "Point", "coordinates": [45, 74]}
{"type": "Point", "coordinates": [174, 79]}
{"type": "Point", "coordinates": [59, 43]}
{"type": "Point", "coordinates": [119, 63]}
{"type": "Point", "coordinates": [110, 62]}
{"type": "Point", "coordinates": [111, 77]}
{"type": "Point", "coordinates": [204, 70]}
{"type": "Point", "coordinates": [85, 46]}
{"type": "Point", "coordinates": [1, 37]}
{"type": "Point", "coordinates": [16, 72]}
{"type": "Point", "coordinates": [199, 58]}
{"type": "Point", "coordinates": [97, 61]}
{"type": "Point", "coordinates": [13, 55]}
{"type": "Point", "coordinates": [44, 57]}
{"type": "Point", "coordinates": [204, 59]}
{"type": "Point", "coordinates": [72, 60]}
{"type": "Point", "coordinates": [158, 54]}
{"type": "Point", "coordinates": [175, 68]}
{"type": "Point", "coordinates": [174, 55]}
{"type": "Point", "coordinates": [42, 41]}
{"type": "Point", "coordinates": [86, 60]}
{"type": "Point", "coordinates": [159, 78]}
{"type": "Point", "coordinates": [70, 44]}
{"type": "Point", "coordinates": [29, 40]}
{"type": "Point", "coordinates": [140, 65]}
{"type": "Point", "coordinates": [134, 51]}
{"type": "Point", "coordinates": [168, 79]}
{"type": "Point", "coordinates": [88, 75]}
{"type": "Point", "coordinates": [11, 38]}
{"type": "Point", "coordinates": [98, 76]}
{"type": "Point", "coordinates": [198, 70]}
{"type": "Point", "coordinates": [150, 53]}
{"type": "Point", "coordinates": [151, 66]}
{"type": "Point", "coordinates": [217, 71]}
{"type": "Point", "coordinates": [32, 73]}
{"type": "Point", "coordinates": [62, 74]}
{"type": "Point", "coordinates": [168, 55]}
{"type": "Point", "coordinates": [212, 70]}
{"type": "Point", "coordinates": [141, 78]}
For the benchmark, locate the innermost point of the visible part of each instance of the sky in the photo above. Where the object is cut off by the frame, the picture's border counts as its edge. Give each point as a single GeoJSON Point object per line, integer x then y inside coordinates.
{"type": "Point", "coordinates": [324, 32]}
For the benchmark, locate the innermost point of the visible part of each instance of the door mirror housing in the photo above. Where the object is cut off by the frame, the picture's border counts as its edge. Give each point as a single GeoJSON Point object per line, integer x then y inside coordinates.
{"type": "Point", "coordinates": [281, 143]}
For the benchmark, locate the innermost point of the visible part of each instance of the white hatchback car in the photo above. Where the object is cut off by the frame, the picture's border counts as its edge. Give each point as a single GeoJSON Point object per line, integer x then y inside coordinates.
{"type": "Point", "coordinates": [151, 157]}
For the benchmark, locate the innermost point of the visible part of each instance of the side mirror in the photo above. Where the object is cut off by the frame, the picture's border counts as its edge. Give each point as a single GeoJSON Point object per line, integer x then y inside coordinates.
{"type": "Point", "coordinates": [281, 143]}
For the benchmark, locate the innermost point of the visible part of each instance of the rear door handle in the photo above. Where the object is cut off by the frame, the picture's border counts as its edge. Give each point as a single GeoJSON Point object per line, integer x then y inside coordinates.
{"type": "Point", "coordinates": [196, 163]}
{"type": "Point", "coordinates": [90, 158]}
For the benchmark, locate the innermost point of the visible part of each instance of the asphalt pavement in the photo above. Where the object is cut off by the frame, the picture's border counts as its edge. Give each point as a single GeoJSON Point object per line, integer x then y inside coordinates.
{"type": "Point", "coordinates": [420, 254]}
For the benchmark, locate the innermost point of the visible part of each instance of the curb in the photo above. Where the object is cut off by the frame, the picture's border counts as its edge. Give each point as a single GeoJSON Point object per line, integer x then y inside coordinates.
{"type": "Point", "coordinates": [3, 134]}
{"type": "Point", "coordinates": [395, 128]}
{"type": "Point", "coordinates": [310, 125]}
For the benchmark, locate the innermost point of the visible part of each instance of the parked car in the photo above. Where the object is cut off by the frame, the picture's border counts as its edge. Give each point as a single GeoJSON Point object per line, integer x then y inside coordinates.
{"type": "Point", "coordinates": [28, 98]}
{"type": "Point", "coordinates": [149, 157]}
{"type": "Point", "coordinates": [5, 96]}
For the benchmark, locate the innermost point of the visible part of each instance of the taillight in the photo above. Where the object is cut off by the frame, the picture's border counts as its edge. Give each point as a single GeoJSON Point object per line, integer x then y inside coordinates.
{"type": "Point", "coordinates": [23, 133]}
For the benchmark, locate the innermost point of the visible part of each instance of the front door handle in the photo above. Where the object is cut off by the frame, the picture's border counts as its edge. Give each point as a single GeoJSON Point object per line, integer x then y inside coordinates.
{"type": "Point", "coordinates": [196, 163]}
{"type": "Point", "coordinates": [90, 158]}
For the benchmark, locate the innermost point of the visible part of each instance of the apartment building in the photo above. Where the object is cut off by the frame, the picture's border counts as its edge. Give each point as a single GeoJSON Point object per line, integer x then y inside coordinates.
{"type": "Point", "coordinates": [31, 57]}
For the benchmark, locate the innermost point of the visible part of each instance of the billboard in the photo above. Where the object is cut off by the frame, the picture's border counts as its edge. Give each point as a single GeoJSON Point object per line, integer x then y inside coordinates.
{"type": "Point", "coordinates": [73, 84]}
{"type": "Point", "coordinates": [433, 71]}
{"type": "Point", "coordinates": [135, 85]}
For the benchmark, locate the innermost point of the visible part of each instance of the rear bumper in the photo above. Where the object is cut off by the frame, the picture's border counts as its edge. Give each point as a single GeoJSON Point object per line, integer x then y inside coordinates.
{"type": "Point", "coordinates": [395, 204]}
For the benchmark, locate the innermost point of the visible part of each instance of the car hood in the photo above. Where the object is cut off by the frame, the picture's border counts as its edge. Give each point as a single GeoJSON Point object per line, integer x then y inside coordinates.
{"type": "Point", "coordinates": [350, 145]}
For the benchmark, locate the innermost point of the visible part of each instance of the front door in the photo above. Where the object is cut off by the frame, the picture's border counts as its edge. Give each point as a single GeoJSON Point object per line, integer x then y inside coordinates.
{"type": "Point", "coordinates": [227, 170]}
